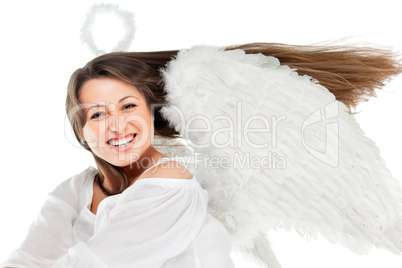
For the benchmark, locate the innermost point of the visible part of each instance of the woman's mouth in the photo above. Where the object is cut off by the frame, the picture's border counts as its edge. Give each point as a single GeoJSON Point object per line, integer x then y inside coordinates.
{"type": "Point", "coordinates": [122, 144]}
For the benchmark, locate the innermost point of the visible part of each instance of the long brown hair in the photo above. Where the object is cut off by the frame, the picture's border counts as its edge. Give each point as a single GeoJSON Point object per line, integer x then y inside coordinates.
{"type": "Point", "coordinates": [351, 73]}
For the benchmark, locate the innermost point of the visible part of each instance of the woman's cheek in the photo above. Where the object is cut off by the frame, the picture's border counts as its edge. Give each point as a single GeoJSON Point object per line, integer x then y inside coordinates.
{"type": "Point", "coordinates": [94, 134]}
{"type": "Point", "coordinates": [139, 124]}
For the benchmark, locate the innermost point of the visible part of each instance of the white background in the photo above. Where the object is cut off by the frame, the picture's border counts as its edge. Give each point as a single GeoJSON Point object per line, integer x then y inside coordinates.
{"type": "Point", "coordinates": [40, 48]}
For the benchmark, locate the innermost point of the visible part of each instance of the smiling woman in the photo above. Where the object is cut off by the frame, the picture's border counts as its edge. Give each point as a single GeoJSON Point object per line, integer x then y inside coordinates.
{"type": "Point", "coordinates": [138, 200]}
{"type": "Point", "coordinates": [140, 208]}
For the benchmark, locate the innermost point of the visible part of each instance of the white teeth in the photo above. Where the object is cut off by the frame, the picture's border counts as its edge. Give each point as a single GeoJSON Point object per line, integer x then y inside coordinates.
{"type": "Point", "coordinates": [122, 142]}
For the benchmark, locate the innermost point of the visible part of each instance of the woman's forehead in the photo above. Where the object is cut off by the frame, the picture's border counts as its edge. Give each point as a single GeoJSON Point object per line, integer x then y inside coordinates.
{"type": "Point", "coordinates": [107, 90]}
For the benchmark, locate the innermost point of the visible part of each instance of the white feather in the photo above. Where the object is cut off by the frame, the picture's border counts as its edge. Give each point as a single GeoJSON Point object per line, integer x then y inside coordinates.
{"type": "Point", "coordinates": [307, 165]}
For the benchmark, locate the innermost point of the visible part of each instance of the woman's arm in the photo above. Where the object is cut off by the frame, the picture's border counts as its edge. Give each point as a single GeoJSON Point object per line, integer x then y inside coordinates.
{"type": "Point", "coordinates": [50, 235]}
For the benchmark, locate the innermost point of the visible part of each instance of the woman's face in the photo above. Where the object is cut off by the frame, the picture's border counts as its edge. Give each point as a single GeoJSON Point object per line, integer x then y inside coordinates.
{"type": "Point", "coordinates": [119, 124]}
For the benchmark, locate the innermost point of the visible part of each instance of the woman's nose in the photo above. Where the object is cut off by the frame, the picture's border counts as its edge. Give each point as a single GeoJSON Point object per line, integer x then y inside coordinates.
{"type": "Point", "coordinates": [117, 123]}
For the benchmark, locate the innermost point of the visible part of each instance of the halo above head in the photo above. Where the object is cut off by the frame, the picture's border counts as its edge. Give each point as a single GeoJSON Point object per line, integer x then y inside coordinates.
{"type": "Point", "coordinates": [128, 23]}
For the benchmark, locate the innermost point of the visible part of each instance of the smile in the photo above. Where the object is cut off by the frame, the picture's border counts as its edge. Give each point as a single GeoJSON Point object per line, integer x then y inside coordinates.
{"type": "Point", "coordinates": [122, 143]}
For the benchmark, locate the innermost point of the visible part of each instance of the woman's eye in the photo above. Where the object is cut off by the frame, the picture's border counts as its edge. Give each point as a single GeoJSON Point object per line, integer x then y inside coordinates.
{"type": "Point", "coordinates": [128, 106]}
{"type": "Point", "coordinates": [96, 115]}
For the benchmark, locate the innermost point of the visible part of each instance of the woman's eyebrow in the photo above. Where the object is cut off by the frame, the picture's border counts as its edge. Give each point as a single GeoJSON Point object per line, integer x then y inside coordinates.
{"type": "Point", "coordinates": [102, 105]}
{"type": "Point", "coordinates": [127, 98]}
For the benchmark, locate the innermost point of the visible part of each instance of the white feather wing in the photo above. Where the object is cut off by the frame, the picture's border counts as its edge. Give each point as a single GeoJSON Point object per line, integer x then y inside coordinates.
{"type": "Point", "coordinates": [276, 150]}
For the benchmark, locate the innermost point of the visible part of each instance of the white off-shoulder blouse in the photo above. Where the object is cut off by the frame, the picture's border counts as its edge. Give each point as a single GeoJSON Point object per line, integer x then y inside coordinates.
{"type": "Point", "coordinates": [156, 222]}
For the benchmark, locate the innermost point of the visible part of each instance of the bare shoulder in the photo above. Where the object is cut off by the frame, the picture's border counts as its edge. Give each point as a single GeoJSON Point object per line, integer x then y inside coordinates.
{"type": "Point", "coordinates": [169, 169]}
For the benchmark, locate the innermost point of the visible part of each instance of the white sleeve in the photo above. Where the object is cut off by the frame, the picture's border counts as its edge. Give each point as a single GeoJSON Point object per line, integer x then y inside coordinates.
{"type": "Point", "coordinates": [155, 220]}
{"type": "Point", "coordinates": [50, 235]}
